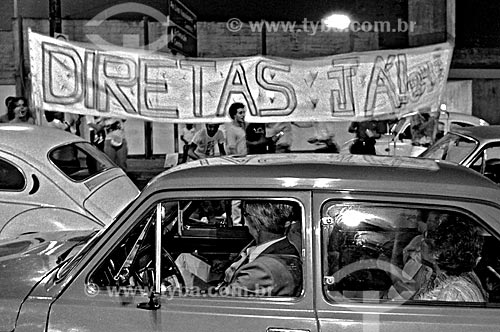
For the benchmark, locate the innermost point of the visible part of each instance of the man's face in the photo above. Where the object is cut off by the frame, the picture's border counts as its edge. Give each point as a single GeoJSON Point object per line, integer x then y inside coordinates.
{"type": "Point", "coordinates": [212, 129]}
{"type": "Point", "coordinates": [240, 115]}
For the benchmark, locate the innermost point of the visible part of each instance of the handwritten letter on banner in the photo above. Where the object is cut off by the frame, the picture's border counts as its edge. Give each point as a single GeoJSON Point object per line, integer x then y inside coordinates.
{"type": "Point", "coordinates": [69, 78]}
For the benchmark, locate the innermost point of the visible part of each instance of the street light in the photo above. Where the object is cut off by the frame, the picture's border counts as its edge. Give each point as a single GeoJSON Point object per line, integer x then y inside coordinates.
{"type": "Point", "coordinates": [337, 21]}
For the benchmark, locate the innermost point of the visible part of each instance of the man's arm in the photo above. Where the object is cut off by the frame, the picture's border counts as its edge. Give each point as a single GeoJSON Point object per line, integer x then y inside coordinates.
{"type": "Point", "coordinates": [230, 141]}
{"type": "Point", "coordinates": [191, 152]}
{"type": "Point", "coordinates": [268, 275]}
{"type": "Point", "coordinates": [221, 149]}
{"type": "Point", "coordinates": [250, 280]}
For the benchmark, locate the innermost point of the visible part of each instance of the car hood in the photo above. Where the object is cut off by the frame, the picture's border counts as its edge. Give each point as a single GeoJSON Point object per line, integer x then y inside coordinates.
{"type": "Point", "coordinates": [24, 261]}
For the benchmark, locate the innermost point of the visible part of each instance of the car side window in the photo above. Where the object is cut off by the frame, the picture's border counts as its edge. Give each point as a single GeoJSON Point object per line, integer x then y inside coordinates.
{"type": "Point", "coordinates": [375, 253]}
{"type": "Point", "coordinates": [79, 161]}
{"type": "Point", "coordinates": [201, 243]}
{"type": "Point", "coordinates": [457, 124]}
{"type": "Point", "coordinates": [11, 178]}
{"type": "Point", "coordinates": [488, 163]}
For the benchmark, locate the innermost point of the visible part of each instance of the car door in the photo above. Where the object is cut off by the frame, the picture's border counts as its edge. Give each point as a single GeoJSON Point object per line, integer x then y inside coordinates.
{"type": "Point", "coordinates": [365, 244]}
{"type": "Point", "coordinates": [94, 302]}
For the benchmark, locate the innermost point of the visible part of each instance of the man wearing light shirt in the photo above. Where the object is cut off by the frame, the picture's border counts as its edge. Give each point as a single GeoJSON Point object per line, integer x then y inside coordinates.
{"type": "Point", "coordinates": [236, 142]}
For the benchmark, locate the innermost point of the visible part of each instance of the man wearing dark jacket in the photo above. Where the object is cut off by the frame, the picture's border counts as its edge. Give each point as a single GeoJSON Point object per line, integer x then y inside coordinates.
{"type": "Point", "coordinates": [272, 267]}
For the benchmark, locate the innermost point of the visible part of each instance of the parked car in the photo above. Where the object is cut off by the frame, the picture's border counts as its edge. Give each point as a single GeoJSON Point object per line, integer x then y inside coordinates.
{"type": "Point", "coordinates": [475, 147]}
{"type": "Point", "coordinates": [52, 180]}
{"type": "Point", "coordinates": [355, 217]}
{"type": "Point", "coordinates": [398, 140]}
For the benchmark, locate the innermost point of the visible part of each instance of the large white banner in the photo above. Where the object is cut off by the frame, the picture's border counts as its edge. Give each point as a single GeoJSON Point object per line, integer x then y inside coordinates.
{"type": "Point", "coordinates": [133, 84]}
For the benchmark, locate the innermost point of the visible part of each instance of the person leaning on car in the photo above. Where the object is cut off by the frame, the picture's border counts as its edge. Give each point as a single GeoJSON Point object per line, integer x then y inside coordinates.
{"type": "Point", "coordinates": [272, 267]}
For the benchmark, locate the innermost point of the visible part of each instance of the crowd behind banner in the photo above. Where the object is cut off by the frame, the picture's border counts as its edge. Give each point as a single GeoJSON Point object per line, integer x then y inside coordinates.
{"type": "Point", "coordinates": [236, 137]}
{"type": "Point", "coordinates": [105, 133]}
{"type": "Point", "coordinates": [241, 138]}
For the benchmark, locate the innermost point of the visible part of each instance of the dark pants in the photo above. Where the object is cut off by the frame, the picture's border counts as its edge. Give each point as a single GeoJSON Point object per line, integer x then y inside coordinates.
{"type": "Point", "coordinates": [363, 147]}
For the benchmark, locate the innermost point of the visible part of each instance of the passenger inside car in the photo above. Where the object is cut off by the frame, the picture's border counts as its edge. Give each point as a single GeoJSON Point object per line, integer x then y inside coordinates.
{"type": "Point", "coordinates": [455, 245]}
{"type": "Point", "coordinates": [386, 253]}
{"type": "Point", "coordinates": [272, 267]}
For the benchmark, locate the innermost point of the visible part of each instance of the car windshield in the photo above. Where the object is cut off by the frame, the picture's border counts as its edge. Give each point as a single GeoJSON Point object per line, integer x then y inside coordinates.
{"type": "Point", "coordinates": [451, 147]}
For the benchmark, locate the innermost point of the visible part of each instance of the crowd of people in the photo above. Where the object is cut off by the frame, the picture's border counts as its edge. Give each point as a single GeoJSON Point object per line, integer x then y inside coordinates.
{"type": "Point", "coordinates": [104, 132]}
{"type": "Point", "coordinates": [236, 137]}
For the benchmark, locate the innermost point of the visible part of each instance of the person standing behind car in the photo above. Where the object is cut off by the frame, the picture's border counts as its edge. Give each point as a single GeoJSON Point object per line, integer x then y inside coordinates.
{"type": "Point", "coordinates": [9, 115]}
{"type": "Point", "coordinates": [366, 135]}
{"type": "Point", "coordinates": [203, 143]}
{"type": "Point", "coordinates": [257, 143]}
{"type": "Point", "coordinates": [22, 113]}
{"type": "Point", "coordinates": [236, 142]}
{"type": "Point", "coordinates": [186, 137]}
{"type": "Point", "coordinates": [280, 136]}
{"type": "Point", "coordinates": [115, 144]}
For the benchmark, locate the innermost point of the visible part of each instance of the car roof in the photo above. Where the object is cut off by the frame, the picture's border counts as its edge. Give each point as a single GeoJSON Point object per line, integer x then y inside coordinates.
{"type": "Point", "coordinates": [481, 132]}
{"type": "Point", "coordinates": [454, 116]}
{"type": "Point", "coordinates": [32, 141]}
{"type": "Point", "coordinates": [328, 171]}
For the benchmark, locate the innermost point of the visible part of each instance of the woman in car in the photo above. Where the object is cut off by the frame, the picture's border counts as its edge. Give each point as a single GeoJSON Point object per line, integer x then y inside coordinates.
{"type": "Point", "coordinates": [454, 246]}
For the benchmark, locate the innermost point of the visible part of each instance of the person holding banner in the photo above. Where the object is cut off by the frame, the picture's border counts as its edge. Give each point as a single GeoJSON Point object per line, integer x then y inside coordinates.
{"type": "Point", "coordinates": [236, 142]}
{"type": "Point", "coordinates": [203, 143]}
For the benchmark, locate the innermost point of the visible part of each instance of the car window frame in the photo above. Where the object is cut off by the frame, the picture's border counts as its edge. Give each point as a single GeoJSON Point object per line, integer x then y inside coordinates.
{"type": "Point", "coordinates": [103, 248]}
{"type": "Point", "coordinates": [458, 205]}
{"type": "Point", "coordinates": [21, 172]}
{"type": "Point", "coordinates": [434, 147]}
{"type": "Point", "coordinates": [76, 145]}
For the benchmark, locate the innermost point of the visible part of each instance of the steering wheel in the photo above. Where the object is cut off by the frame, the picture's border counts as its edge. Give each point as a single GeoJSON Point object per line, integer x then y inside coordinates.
{"type": "Point", "coordinates": [142, 272]}
{"type": "Point", "coordinates": [172, 276]}
{"type": "Point", "coordinates": [363, 265]}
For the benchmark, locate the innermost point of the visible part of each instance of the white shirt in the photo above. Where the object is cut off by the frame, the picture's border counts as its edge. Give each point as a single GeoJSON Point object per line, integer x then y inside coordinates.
{"type": "Point", "coordinates": [260, 249]}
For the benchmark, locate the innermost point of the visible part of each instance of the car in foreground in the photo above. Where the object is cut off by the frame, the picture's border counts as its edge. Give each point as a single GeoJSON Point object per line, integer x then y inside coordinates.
{"type": "Point", "coordinates": [51, 180]}
{"type": "Point", "coordinates": [355, 217]}
{"type": "Point", "coordinates": [398, 140]}
{"type": "Point", "coordinates": [475, 147]}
